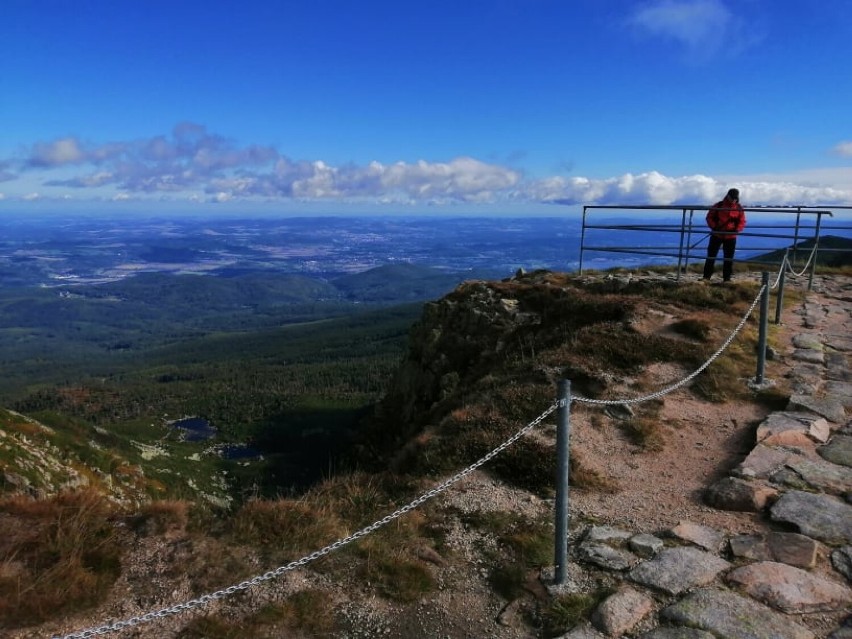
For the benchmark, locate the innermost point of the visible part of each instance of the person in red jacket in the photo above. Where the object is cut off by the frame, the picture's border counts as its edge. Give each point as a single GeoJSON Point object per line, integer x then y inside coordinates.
{"type": "Point", "coordinates": [726, 220]}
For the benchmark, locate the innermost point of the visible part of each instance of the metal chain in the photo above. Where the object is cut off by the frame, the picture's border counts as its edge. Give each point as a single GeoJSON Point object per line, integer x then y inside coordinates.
{"type": "Point", "coordinates": [784, 265]}
{"type": "Point", "coordinates": [675, 386]}
{"type": "Point", "coordinates": [277, 572]}
{"type": "Point", "coordinates": [807, 264]}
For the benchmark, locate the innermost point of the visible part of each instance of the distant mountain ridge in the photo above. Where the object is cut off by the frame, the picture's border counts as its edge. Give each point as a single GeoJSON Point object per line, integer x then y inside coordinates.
{"type": "Point", "coordinates": [834, 251]}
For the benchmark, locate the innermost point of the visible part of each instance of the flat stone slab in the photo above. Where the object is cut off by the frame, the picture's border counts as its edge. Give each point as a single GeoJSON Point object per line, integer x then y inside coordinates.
{"type": "Point", "coordinates": [838, 450]}
{"type": "Point", "coordinates": [790, 589]}
{"type": "Point", "coordinates": [841, 344]}
{"type": "Point", "coordinates": [841, 391]}
{"type": "Point", "coordinates": [582, 632]}
{"type": "Point", "coordinates": [807, 355]}
{"type": "Point", "coordinates": [620, 612]}
{"type": "Point", "coordinates": [837, 367]}
{"type": "Point", "coordinates": [740, 495]}
{"type": "Point", "coordinates": [729, 616]}
{"type": "Point", "coordinates": [832, 478]}
{"type": "Point", "coordinates": [789, 548]}
{"type": "Point", "coordinates": [780, 426]}
{"type": "Point", "coordinates": [762, 461]}
{"type": "Point", "coordinates": [607, 534]}
{"type": "Point", "coordinates": [675, 570]}
{"type": "Point", "coordinates": [704, 536]}
{"type": "Point", "coordinates": [645, 545]}
{"type": "Point", "coordinates": [831, 409]}
{"type": "Point", "coordinates": [822, 517]}
{"type": "Point", "coordinates": [606, 556]}
{"type": "Point", "coordinates": [841, 560]}
{"type": "Point", "coordinates": [807, 340]}
{"type": "Point", "coordinates": [676, 633]}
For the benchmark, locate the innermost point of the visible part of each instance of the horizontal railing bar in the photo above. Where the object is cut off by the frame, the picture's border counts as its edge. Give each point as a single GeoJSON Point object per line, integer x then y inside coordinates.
{"type": "Point", "coordinates": [704, 207]}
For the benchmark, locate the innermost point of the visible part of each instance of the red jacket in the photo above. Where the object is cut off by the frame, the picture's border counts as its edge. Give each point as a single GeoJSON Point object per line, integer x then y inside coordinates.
{"type": "Point", "coordinates": [726, 215]}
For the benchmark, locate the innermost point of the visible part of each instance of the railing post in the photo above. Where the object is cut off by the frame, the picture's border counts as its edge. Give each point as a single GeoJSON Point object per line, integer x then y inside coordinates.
{"type": "Point", "coordinates": [563, 438]}
{"type": "Point", "coordinates": [779, 300]}
{"type": "Point", "coordinates": [582, 241]}
{"type": "Point", "coordinates": [815, 256]}
{"type": "Point", "coordinates": [680, 264]}
{"type": "Point", "coordinates": [764, 320]}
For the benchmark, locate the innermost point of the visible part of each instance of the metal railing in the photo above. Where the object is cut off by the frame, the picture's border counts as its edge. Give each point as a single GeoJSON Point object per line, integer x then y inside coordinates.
{"type": "Point", "coordinates": [690, 232]}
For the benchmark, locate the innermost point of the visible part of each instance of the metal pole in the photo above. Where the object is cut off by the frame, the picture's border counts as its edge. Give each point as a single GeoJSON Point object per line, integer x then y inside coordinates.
{"type": "Point", "coordinates": [582, 240]}
{"type": "Point", "coordinates": [796, 236]}
{"type": "Point", "coordinates": [563, 438]}
{"type": "Point", "coordinates": [680, 264]}
{"type": "Point", "coordinates": [764, 319]}
{"type": "Point", "coordinates": [816, 252]}
{"type": "Point", "coordinates": [779, 300]}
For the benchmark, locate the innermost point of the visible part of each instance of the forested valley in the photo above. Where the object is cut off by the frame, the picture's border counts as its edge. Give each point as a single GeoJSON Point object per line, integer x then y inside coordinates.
{"type": "Point", "coordinates": [282, 383]}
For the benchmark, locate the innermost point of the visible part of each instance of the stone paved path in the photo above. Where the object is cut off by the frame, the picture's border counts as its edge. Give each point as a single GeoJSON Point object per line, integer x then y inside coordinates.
{"type": "Point", "coordinates": [792, 583]}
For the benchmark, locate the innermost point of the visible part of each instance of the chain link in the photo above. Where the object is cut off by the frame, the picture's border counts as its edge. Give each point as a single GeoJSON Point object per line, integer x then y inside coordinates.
{"type": "Point", "coordinates": [277, 572]}
{"type": "Point", "coordinates": [686, 380]}
{"type": "Point", "coordinates": [784, 266]}
{"type": "Point", "coordinates": [807, 264]}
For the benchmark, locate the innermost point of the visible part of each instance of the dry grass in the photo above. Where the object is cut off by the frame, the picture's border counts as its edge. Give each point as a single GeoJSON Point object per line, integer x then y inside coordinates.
{"type": "Point", "coordinates": [693, 327]}
{"type": "Point", "coordinates": [57, 556]}
{"type": "Point", "coordinates": [162, 517]}
{"type": "Point", "coordinates": [564, 612]}
{"type": "Point", "coordinates": [286, 527]}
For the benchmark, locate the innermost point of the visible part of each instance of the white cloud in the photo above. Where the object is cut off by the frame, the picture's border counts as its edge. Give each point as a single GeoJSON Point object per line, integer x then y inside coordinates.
{"type": "Point", "coordinates": [194, 162]}
{"type": "Point", "coordinates": [844, 149]}
{"type": "Point", "coordinates": [685, 20]}
{"type": "Point", "coordinates": [704, 28]}
{"type": "Point", "coordinates": [31, 197]}
{"type": "Point", "coordinates": [656, 188]}
{"type": "Point", "coordinates": [58, 152]}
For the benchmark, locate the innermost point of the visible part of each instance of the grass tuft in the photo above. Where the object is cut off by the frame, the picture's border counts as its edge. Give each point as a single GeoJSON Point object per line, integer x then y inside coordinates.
{"type": "Point", "coordinates": [57, 556]}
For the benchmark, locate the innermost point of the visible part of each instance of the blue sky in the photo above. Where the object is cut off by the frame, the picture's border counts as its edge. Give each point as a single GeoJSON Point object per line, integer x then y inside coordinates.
{"type": "Point", "coordinates": [443, 106]}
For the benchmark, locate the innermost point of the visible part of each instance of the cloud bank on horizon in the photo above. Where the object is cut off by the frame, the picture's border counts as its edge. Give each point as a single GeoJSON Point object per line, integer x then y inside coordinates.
{"type": "Point", "coordinates": [667, 102]}
{"type": "Point", "coordinates": [195, 164]}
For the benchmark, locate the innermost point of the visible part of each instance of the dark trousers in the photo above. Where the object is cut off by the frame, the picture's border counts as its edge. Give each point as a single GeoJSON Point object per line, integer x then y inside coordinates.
{"type": "Point", "coordinates": [728, 248]}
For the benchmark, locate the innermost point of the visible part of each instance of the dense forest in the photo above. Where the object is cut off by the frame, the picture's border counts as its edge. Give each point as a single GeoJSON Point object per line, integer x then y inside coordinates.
{"type": "Point", "coordinates": [281, 370]}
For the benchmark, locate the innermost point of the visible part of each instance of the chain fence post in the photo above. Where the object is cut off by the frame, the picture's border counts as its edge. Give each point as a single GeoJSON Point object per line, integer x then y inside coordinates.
{"type": "Point", "coordinates": [563, 438]}
{"type": "Point", "coordinates": [764, 320]}
{"type": "Point", "coordinates": [779, 300]}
